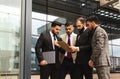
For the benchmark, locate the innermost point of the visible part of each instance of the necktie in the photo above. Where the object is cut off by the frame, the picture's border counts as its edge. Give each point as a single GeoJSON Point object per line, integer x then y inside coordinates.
{"type": "Point", "coordinates": [56, 51]}
{"type": "Point", "coordinates": [54, 36]}
{"type": "Point", "coordinates": [69, 55]}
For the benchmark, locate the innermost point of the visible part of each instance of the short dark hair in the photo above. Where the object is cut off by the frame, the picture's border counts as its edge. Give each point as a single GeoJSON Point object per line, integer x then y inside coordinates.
{"type": "Point", "coordinates": [81, 19]}
{"type": "Point", "coordinates": [54, 23]}
{"type": "Point", "coordinates": [68, 23]}
{"type": "Point", "coordinates": [92, 18]}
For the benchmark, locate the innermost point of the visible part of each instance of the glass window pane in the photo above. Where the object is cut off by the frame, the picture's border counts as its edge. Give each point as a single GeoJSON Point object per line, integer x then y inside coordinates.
{"type": "Point", "coordinates": [42, 16]}
{"type": "Point", "coordinates": [9, 38]}
{"type": "Point", "coordinates": [39, 15]}
{"type": "Point", "coordinates": [115, 39]}
{"type": "Point", "coordinates": [116, 51]}
{"type": "Point", "coordinates": [115, 57]}
{"type": "Point", "coordinates": [37, 25]}
{"type": "Point", "coordinates": [40, 24]}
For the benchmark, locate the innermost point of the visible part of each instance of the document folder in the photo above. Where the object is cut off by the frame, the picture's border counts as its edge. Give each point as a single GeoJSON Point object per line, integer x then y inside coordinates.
{"type": "Point", "coordinates": [49, 56]}
{"type": "Point", "coordinates": [64, 46]}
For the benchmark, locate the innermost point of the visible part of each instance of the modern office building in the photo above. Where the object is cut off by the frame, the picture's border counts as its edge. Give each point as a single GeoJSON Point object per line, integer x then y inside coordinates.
{"type": "Point", "coordinates": [22, 21]}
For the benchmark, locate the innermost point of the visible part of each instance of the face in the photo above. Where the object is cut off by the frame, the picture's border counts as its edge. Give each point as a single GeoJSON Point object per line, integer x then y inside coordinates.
{"type": "Point", "coordinates": [89, 25]}
{"type": "Point", "coordinates": [79, 25]}
{"type": "Point", "coordinates": [56, 29]}
{"type": "Point", "coordinates": [69, 29]}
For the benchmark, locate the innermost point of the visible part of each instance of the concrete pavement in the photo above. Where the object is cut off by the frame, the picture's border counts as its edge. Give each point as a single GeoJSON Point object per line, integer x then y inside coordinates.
{"type": "Point", "coordinates": [113, 76]}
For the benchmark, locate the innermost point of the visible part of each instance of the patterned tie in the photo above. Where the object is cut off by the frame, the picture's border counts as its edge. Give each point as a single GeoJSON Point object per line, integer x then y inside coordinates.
{"type": "Point", "coordinates": [69, 55]}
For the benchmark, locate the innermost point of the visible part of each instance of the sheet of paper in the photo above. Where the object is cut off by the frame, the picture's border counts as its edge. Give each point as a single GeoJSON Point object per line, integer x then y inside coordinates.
{"type": "Point", "coordinates": [64, 46]}
{"type": "Point", "coordinates": [49, 56]}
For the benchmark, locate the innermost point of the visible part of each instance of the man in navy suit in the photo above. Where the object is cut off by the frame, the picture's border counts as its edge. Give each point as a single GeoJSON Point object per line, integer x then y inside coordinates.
{"type": "Point", "coordinates": [47, 42]}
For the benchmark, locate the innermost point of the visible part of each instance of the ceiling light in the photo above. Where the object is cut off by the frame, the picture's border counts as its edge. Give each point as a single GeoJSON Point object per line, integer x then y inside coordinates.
{"type": "Point", "coordinates": [110, 16]}
{"type": "Point", "coordinates": [98, 10]}
{"type": "Point", "coordinates": [102, 14]}
{"type": "Point", "coordinates": [115, 15]}
{"type": "Point", "coordinates": [64, 0]}
{"type": "Point", "coordinates": [102, 11]}
{"type": "Point", "coordinates": [109, 27]}
{"type": "Point", "coordinates": [83, 4]}
{"type": "Point", "coordinates": [106, 12]}
{"type": "Point", "coordinates": [111, 13]}
{"type": "Point", "coordinates": [106, 15]}
{"type": "Point", "coordinates": [118, 16]}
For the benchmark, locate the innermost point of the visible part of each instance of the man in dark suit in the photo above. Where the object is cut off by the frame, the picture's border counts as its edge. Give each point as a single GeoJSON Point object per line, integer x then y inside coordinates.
{"type": "Point", "coordinates": [47, 42]}
{"type": "Point", "coordinates": [83, 50]}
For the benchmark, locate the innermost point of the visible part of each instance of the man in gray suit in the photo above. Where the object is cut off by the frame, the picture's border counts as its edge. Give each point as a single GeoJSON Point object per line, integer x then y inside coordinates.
{"type": "Point", "coordinates": [68, 58]}
{"type": "Point", "coordinates": [100, 51]}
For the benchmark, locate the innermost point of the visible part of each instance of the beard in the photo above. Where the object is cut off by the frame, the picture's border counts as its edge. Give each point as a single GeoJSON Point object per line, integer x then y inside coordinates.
{"type": "Point", "coordinates": [81, 30]}
{"type": "Point", "coordinates": [54, 32]}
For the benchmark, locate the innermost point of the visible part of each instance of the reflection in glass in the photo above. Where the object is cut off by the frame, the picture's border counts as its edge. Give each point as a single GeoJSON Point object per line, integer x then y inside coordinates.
{"type": "Point", "coordinates": [40, 24]}
{"type": "Point", "coordinates": [36, 25]}
{"type": "Point", "coordinates": [9, 37]}
{"type": "Point", "coordinates": [115, 41]}
{"type": "Point", "coordinates": [43, 17]}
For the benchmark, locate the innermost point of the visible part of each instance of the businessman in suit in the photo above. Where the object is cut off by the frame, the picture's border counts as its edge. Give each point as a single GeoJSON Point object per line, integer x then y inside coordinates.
{"type": "Point", "coordinates": [100, 53]}
{"type": "Point", "coordinates": [68, 58]}
{"type": "Point", "coordinates": [47, 42]}
{"type": "Point", "coordinates": [83, 49]}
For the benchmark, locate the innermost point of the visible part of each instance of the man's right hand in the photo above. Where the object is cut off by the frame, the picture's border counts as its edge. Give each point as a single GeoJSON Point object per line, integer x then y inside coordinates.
{"type": "Point", "coordinates": [43, 62]}
{"type": "Point", "coordinates": [91, 64]}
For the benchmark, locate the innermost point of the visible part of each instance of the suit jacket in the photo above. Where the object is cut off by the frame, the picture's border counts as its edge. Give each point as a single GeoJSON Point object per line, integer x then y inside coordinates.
{"type": "Point", "coordinates": [100, 49]}
{"type": "Point", "coordinates": [44, 44]}
{"type": "Point", "coordinates": [83, 42]}
{"type": "Point", "coordinates": [64, 37]}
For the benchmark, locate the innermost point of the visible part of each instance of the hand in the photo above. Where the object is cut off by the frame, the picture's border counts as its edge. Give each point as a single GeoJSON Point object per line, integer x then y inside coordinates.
{"type": "Point", "coordinates": [43, 62]}
{"type": "Point", "coordinates": [91, 64]}
{"type": "Point", "coordinates": [56, 44]}
{"type": "Point", "coordinates": [74, 49]}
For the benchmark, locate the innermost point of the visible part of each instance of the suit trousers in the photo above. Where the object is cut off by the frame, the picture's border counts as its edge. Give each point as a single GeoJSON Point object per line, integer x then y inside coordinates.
{"type": "Point", "coordinates": [83, 70]}
{"type": "Point", "coordinates": [103, 72]}
{"type": "Point", "coordinates": [49, 70]}
{"type": "Point", "coordinates": [67, 67]}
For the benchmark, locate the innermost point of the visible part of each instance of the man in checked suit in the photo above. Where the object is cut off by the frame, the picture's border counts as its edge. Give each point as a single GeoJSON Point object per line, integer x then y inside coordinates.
{"type": "Point", "coordinates": [100, 53]}
{"type": "Point", "coordinates": [68, 60]}
{"type": "Point", "coordinates": [47, 42]}
{"type": "Point", "coordinates": [83, 49]}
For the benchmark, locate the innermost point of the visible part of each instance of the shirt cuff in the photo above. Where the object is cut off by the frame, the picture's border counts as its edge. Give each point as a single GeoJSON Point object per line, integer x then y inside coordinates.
{"type": "Point", "coordinates": [78, 49]}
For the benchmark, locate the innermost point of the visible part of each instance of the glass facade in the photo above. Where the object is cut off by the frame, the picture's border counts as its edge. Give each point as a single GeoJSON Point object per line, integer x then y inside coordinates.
{"type": "Point", "coordinates": [14, 36]}
{"type": "Point", "coordinates": [10, 19]}
{"type": "Point", "coordinates": [41, 20]}
{"type": "Point", "coordinates": [40, 24]}
{"type": "Point", "coordinates": [15, 18]}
